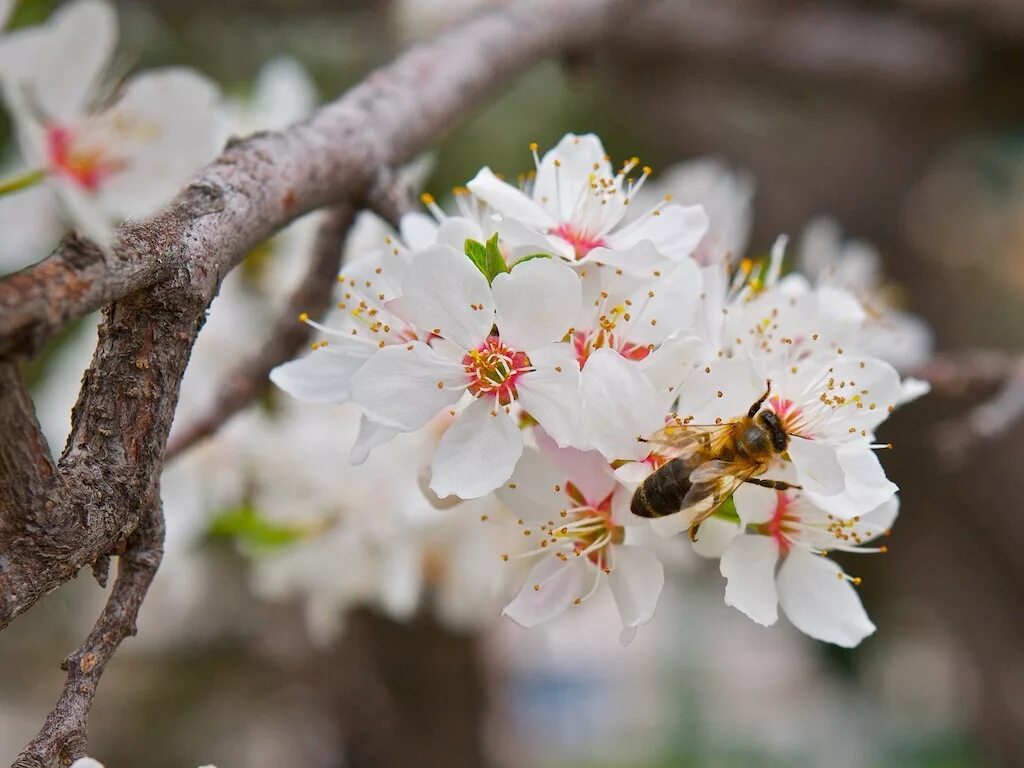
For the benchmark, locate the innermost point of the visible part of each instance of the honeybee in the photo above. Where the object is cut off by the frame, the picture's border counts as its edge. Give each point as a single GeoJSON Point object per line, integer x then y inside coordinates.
{"type": "Point", "coordinates": [709, 463]}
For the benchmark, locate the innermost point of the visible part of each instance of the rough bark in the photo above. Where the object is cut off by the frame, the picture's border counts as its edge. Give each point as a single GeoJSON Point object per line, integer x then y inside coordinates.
{"type": "Point", "coordinates": [64, 734]}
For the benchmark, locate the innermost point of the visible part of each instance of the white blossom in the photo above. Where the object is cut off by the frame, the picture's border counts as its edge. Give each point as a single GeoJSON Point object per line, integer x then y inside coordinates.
{"type": "Point", "coordinates": [576, 205]}
{"type": "Point", "coordinates": [564, 498]}
{"type": "Point", "coordinates": [816, 594]}
{"type": "Point", "coordinates": [109, 154]}
{"type": "Point", "coordinates": [403, 386]}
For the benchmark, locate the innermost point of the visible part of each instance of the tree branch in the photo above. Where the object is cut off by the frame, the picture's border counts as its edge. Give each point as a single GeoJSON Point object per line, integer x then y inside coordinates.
{"type": "Point", "coordinates": [261, 183]}
{"type": "Point", "coordinates": [875, 46]}
{"type": "Point", "coordinates": [287, 337]}
{"type": "Point", "coordinates": [957, 375]}
{"type": "Point", "coordinates": [63, 737]}
{"type": "Point", "coordinates": [27, 470]}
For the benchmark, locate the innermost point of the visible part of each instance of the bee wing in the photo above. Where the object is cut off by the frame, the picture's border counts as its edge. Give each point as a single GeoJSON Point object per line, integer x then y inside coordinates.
{"type": "Point", "coordinates": [682, 439]}
{"type": "Point", "coordinates": [711, 484]}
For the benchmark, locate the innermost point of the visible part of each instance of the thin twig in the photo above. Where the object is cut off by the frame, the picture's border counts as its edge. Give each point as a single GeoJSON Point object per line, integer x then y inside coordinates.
{"type": "Point", "coordinates": [64, 735]}
{"type": "Point", "coordinates": [957, 375]}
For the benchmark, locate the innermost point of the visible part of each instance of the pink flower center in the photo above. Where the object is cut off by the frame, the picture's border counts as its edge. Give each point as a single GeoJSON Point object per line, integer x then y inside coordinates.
{"type": "Point", "coordinates": [585, 342]}
{"type": "Point", "coordinates": [792, 416]}
{"type": "Point", "coordinates": [598, 516]}
{"type": "Point", "coordinates": [493, 369]}
{"type": "Point", "coordinates": [776, 527]}
{"type": "Point", "coordinates": [88, 167]}
{"type": "Point", "coordinates": [580, 241]}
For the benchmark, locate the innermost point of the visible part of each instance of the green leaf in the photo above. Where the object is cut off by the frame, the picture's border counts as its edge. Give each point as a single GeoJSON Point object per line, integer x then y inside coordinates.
{"type": "Point", "coordinates": [532, 256]}
{"type": "Point", "coordinates": [244, 525]}
{"type": "Point", "coordinates": [487, 258]}
{"type": "Point", "coordinates": [727, 511]}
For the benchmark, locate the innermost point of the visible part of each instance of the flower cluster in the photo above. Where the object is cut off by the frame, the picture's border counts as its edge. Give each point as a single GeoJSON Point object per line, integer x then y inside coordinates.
{"type": "Point", "coordinates": [572, 335]}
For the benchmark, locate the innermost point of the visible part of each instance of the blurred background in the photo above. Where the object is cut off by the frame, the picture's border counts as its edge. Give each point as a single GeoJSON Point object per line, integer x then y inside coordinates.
{"type": "Point", "coordinates": [903, 120]}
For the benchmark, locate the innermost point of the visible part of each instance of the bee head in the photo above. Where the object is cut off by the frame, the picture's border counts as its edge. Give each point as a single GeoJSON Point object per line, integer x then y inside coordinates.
{"type": "Point", "coordinates": [770, 421]}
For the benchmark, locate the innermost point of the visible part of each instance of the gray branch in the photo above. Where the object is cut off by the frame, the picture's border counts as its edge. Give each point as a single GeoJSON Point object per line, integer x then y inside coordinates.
{"type": "Point", "coordinates": [64, 734]}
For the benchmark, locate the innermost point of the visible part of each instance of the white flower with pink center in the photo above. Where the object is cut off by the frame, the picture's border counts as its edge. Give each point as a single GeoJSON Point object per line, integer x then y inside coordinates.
{"type": "Point", "coordinates": [815, 593]}
{"type": "Point", "coordinates": [576, 208]}
{"type": "Point", "coordinates": [118, 160]}
{"type": "Point", "coordinates": [494, 349]}
{"type": "Point", "coordinates": [564, 499]}
{"type": "Point", "coordinates": [829, 409]}
{"type": "Point", "coordinates": [726, 196]}
{"type": "Point", "coordinates": [366, 319]}
{"type": "Point", "coordinates": [636, 316]}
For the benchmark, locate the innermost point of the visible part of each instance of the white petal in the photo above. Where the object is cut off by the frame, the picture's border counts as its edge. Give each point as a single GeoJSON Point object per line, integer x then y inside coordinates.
{"type": "Point", "coordinates": [754, 505]}
{"type": "Point", "coordinates": [672, 363]}
{"type": "Point", "coordinates": [619, 405]}
{"type": "Point", "coordinates": [531, 492]}
{"type": "Point", "coordinates": [723, 389]}
{"type": "Point", "coordinates": [715, 536]}
{"type": "Point", "coordinates": [627, 636]}
{"type": "Point", "coordinates": [169, 125]}
{"type": "Point", "coordinates": [323, 376]}
{"type": "Point", "coordinates": [6, 6]}
{"type": "Point", "coordinates": [865, 485]}
{"type": "Point", "coordinates": [675, 232]}
{"type": "Point", "coordinates": [551, 586]}
{"type": "Point", "coordinates": [85, 211]}
{"type": "Point", "coordinates": [588, 470]}
{"type": "Point", "coordinates": [441, 289]}
{"type": "Point", "coordinates": [640, 259]}
{"type": "Point", "coordinates": [551, 394]}
{"type": "Point", "coordinates": [370, 436]}
{"type": "Point", "coordinates": [58, 65]}
{"type": "Point", "coordinates": [749, 567]}
{"type": "Point", "coordinates": [477, 453]}
{"type": "Point", "coordinates": [880, 518]}
{"type": "Point", "coordinates": [401, 579]}
{"type": "Point", "coordinates": [913, 389]}
{"type": "Point", "coordinates": [819, 602]}
{"type": "Point", "coordinates": [419, 231]}
{"type": "Point", "coordinates": [636, 581]}
{"type": "Point", "coordinates": [670, 525]}
{"type": "Point", "coordinates": [508, 200]}
{"type": "Point", "coordinates": [673, 307]}
{"type": "Point", "coordinates": [86, 762]}
{"type": "Point", "coordinates": [817, 466]}
{"type": "Point", "coordinates": [456, 230]}
{"type": "Point", "coordinates": [579, 158]}
{"type": "Point", "coordinates": [284, 94]}
{"type": "Point", "coordinates": [536, 303]}
{"type": "Point", "coordinates": [520, 241]}
{"type": "Point", "coordinates": [398, 385]}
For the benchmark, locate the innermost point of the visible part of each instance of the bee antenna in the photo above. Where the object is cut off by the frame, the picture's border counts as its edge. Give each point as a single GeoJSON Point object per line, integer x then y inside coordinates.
{"type": "Point", "coordinates": [757, 406]}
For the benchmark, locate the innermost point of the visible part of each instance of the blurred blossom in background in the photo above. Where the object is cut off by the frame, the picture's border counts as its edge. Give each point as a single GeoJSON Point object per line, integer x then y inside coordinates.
{"type": "Point", "coordinates": [309, 612]}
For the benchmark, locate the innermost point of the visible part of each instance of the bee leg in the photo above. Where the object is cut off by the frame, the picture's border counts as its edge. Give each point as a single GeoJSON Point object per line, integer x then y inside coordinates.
{"type": "Point", "coordinates": [693, 531]}
{"type": "Point", "coordinates": [778, 485]}
{"type": "Point", "coordinates": [757, 406]}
